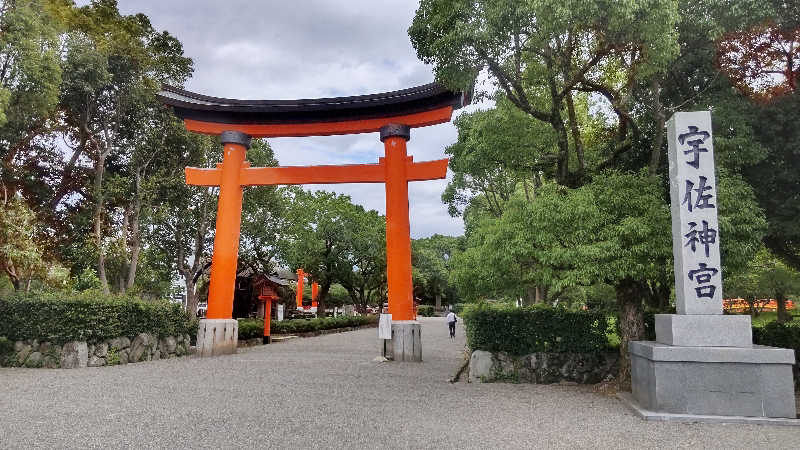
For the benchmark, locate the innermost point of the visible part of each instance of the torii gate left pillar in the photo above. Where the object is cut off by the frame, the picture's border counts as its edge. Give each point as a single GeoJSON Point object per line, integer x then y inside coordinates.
{"type": "Point", "coordinates": [218, 334]}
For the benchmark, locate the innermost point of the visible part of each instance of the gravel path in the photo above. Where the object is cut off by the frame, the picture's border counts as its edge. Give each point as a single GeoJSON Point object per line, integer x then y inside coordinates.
{"type": "Point", "coordinates": [326, 392]}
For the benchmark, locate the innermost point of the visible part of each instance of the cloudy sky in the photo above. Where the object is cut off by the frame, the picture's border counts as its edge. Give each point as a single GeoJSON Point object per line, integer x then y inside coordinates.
{"type": "Point", "coordinates": [306, 49]}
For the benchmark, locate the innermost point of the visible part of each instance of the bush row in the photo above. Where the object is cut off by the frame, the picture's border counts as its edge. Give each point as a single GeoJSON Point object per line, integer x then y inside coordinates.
{"type": "Point", "coordinates": [775, 334]}
{"type": "Point", "coordinates": [425, 310]}
{"type": "Point", "coordinates": [254, 328]}
{"type": "Point", "coordinates": [521, 331]}
{"type": "Point", "coordinates": [89, 316]}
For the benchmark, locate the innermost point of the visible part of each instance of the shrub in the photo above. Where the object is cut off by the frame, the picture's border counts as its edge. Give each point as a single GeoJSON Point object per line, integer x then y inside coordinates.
{"type": "Point", "coordinates": [775, 334]}
{"type": "Point", "coordinates": [252, 328]}
{"type": "Point", "coordinates": [425, 310]}
{"type": "Point", "coordinates": [520, 331]}
{"type": "Point", "coordinates": [91, 317]}
{"type": "Point", "coordinates": [6, 350]}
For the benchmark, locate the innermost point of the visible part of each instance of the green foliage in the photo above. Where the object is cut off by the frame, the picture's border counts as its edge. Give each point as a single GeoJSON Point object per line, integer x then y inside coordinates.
{"type": "Point", "coordinates": [6, 350]}
{"type": "Point", "coordinates": [20, 255]}
{"type": "Point", "coordinates": [425, 310]}
{"type": "Point", "coordinates": [430, 259]}
{"type": "Point", "coordinates": [458, 308]}
{"type": "Point", "coordinates": [254, 328]}
{"type": "Point", "coordinates": [780, 335]}
{"type": "Point", "coordinates": [113, 358]}
{"type": "Point", "coordinates": [775, 179]}
{"type": "Point", "coordinates": [263, 215]}
{"type": "Point", "coordinates": [29, 51]}
{"type": "Point", "coordinates": [89, 316]}
{"type": "Point", "coordinates": [766, 317]}
{"type": "Point", "coordinates": [335, 241]}
{"type": "Point", "coordinates": [615, 228]}
{"type": "Point", "coordinates": [86, 280]}
{"type": "Point", "coordinates": [251, 328]}
{"type": "Point", "coordinates": [520, 331]}
{"type": "Point", "coordinates": [496, 152]}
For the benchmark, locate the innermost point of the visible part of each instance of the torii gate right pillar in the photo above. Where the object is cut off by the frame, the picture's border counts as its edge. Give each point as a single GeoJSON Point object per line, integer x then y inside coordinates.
{"type": "Point", "coordinates": [406, 342]}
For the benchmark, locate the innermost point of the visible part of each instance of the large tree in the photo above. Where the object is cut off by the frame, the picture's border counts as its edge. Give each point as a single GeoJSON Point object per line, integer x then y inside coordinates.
{"type": "Point", "coordinates": [430, 258]}
{"type": "Point", "coordinates": [542, 54]}
{"type": "Point", "coordinates": [604, 78]}
{"type": "Point", "coordinates": [334, 241]}
{"type": "Point", "coordinates": [113, 66]}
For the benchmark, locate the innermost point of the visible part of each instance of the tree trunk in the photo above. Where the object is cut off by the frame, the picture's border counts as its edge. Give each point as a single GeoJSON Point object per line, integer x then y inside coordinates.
{"type": "Point", "coordinates": [438, 301]}
{"type": "Point", "coordinates": [11, 271]}
{"type": "Point", "coordinates": [563, 148]}
{"type": "Point", "coordinates": [658, 140]}
{"type": "Point", "coordinates": [98, 222]}
{"type": "Point", "coordinates": [783, 315]}
{"type": "Point", "coordinates": [533, 295]}
{"type": "Point", "coordinates": [191, 295]}
{"type": "Point", "coordinates": [135, 236]}
{"type": "Point", "coordinates": [576, 134]}
{"type": "Point", "coordinates": [630, 318]}
{"type": "Point", "coordinates": [323, 294]}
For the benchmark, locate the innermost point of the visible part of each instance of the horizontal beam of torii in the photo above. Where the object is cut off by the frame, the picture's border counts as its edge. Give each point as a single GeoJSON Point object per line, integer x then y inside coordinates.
{"type": "Point", "coordinates": [347, 173]}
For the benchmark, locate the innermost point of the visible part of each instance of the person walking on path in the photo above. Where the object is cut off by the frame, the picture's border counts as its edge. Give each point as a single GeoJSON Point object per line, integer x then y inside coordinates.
{"type": "Point", "coordinates": [451, 322]}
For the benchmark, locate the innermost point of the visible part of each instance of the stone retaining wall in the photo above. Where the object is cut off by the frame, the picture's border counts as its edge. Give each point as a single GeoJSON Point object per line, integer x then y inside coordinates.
{"type": "Point", "coordinates": [75, 354]}
{"type": "Point", "coordinates": [543, 368]}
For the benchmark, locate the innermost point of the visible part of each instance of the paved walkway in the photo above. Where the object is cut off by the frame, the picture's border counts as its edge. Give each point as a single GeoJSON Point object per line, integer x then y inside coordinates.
{"type": "Point", "coordinates": [326, 392]}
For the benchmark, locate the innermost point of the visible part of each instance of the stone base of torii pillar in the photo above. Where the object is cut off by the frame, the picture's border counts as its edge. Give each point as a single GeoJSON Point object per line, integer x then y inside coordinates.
{"type": "Point", "coordinates": [217, 337]}
{"type": "Point", "coordinates": [406, 342]}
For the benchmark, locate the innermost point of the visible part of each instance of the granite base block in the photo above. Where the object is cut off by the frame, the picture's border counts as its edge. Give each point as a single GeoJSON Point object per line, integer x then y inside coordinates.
{"type": "Point", "coordinates": [217, 337]}
{"type": "Point", "coordinates": [704, 330]}
{"type": "Point", "coordinates": [406, 342]}
{"type": "Point", "coordinates": [717, 381]}
{"type": "Point", "coordinates": [627, 399]}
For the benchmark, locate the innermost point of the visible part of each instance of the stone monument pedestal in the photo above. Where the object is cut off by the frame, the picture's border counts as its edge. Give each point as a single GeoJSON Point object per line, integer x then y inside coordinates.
{"type": "Point", "coordinates": [406, 341]}
{"type": "Point", "coordinates": [217, 337]}
{"type": "Point", "coordinates": [694, 380]}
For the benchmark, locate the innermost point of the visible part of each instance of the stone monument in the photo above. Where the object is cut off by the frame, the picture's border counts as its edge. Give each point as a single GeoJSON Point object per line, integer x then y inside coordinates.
{"type": "Point", "coordinates": [703, 364]}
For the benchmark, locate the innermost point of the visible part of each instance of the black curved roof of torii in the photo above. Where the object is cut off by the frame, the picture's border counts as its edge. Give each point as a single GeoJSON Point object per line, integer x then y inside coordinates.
{"type": "Point", "coordinates": [190, 105]}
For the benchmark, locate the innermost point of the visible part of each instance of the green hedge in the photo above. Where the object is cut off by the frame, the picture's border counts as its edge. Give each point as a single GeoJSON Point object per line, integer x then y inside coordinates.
{"type": "Point", "coordinates": [254, 328]}
{"type": "Point", "coordinates": [520, 331]}
{"type": "Point", "coordinates": [425, 310]}
{"type": "Point", "coordinates": [91, 317]}
{"type": "Point", "coordinates": [775, 334]}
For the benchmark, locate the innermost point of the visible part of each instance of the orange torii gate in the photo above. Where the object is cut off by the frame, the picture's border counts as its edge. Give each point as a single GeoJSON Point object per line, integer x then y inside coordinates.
{"type": "Point", "coordinates": [300, 285]}
{"type": "Point", "coordinates": [392, 114]}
